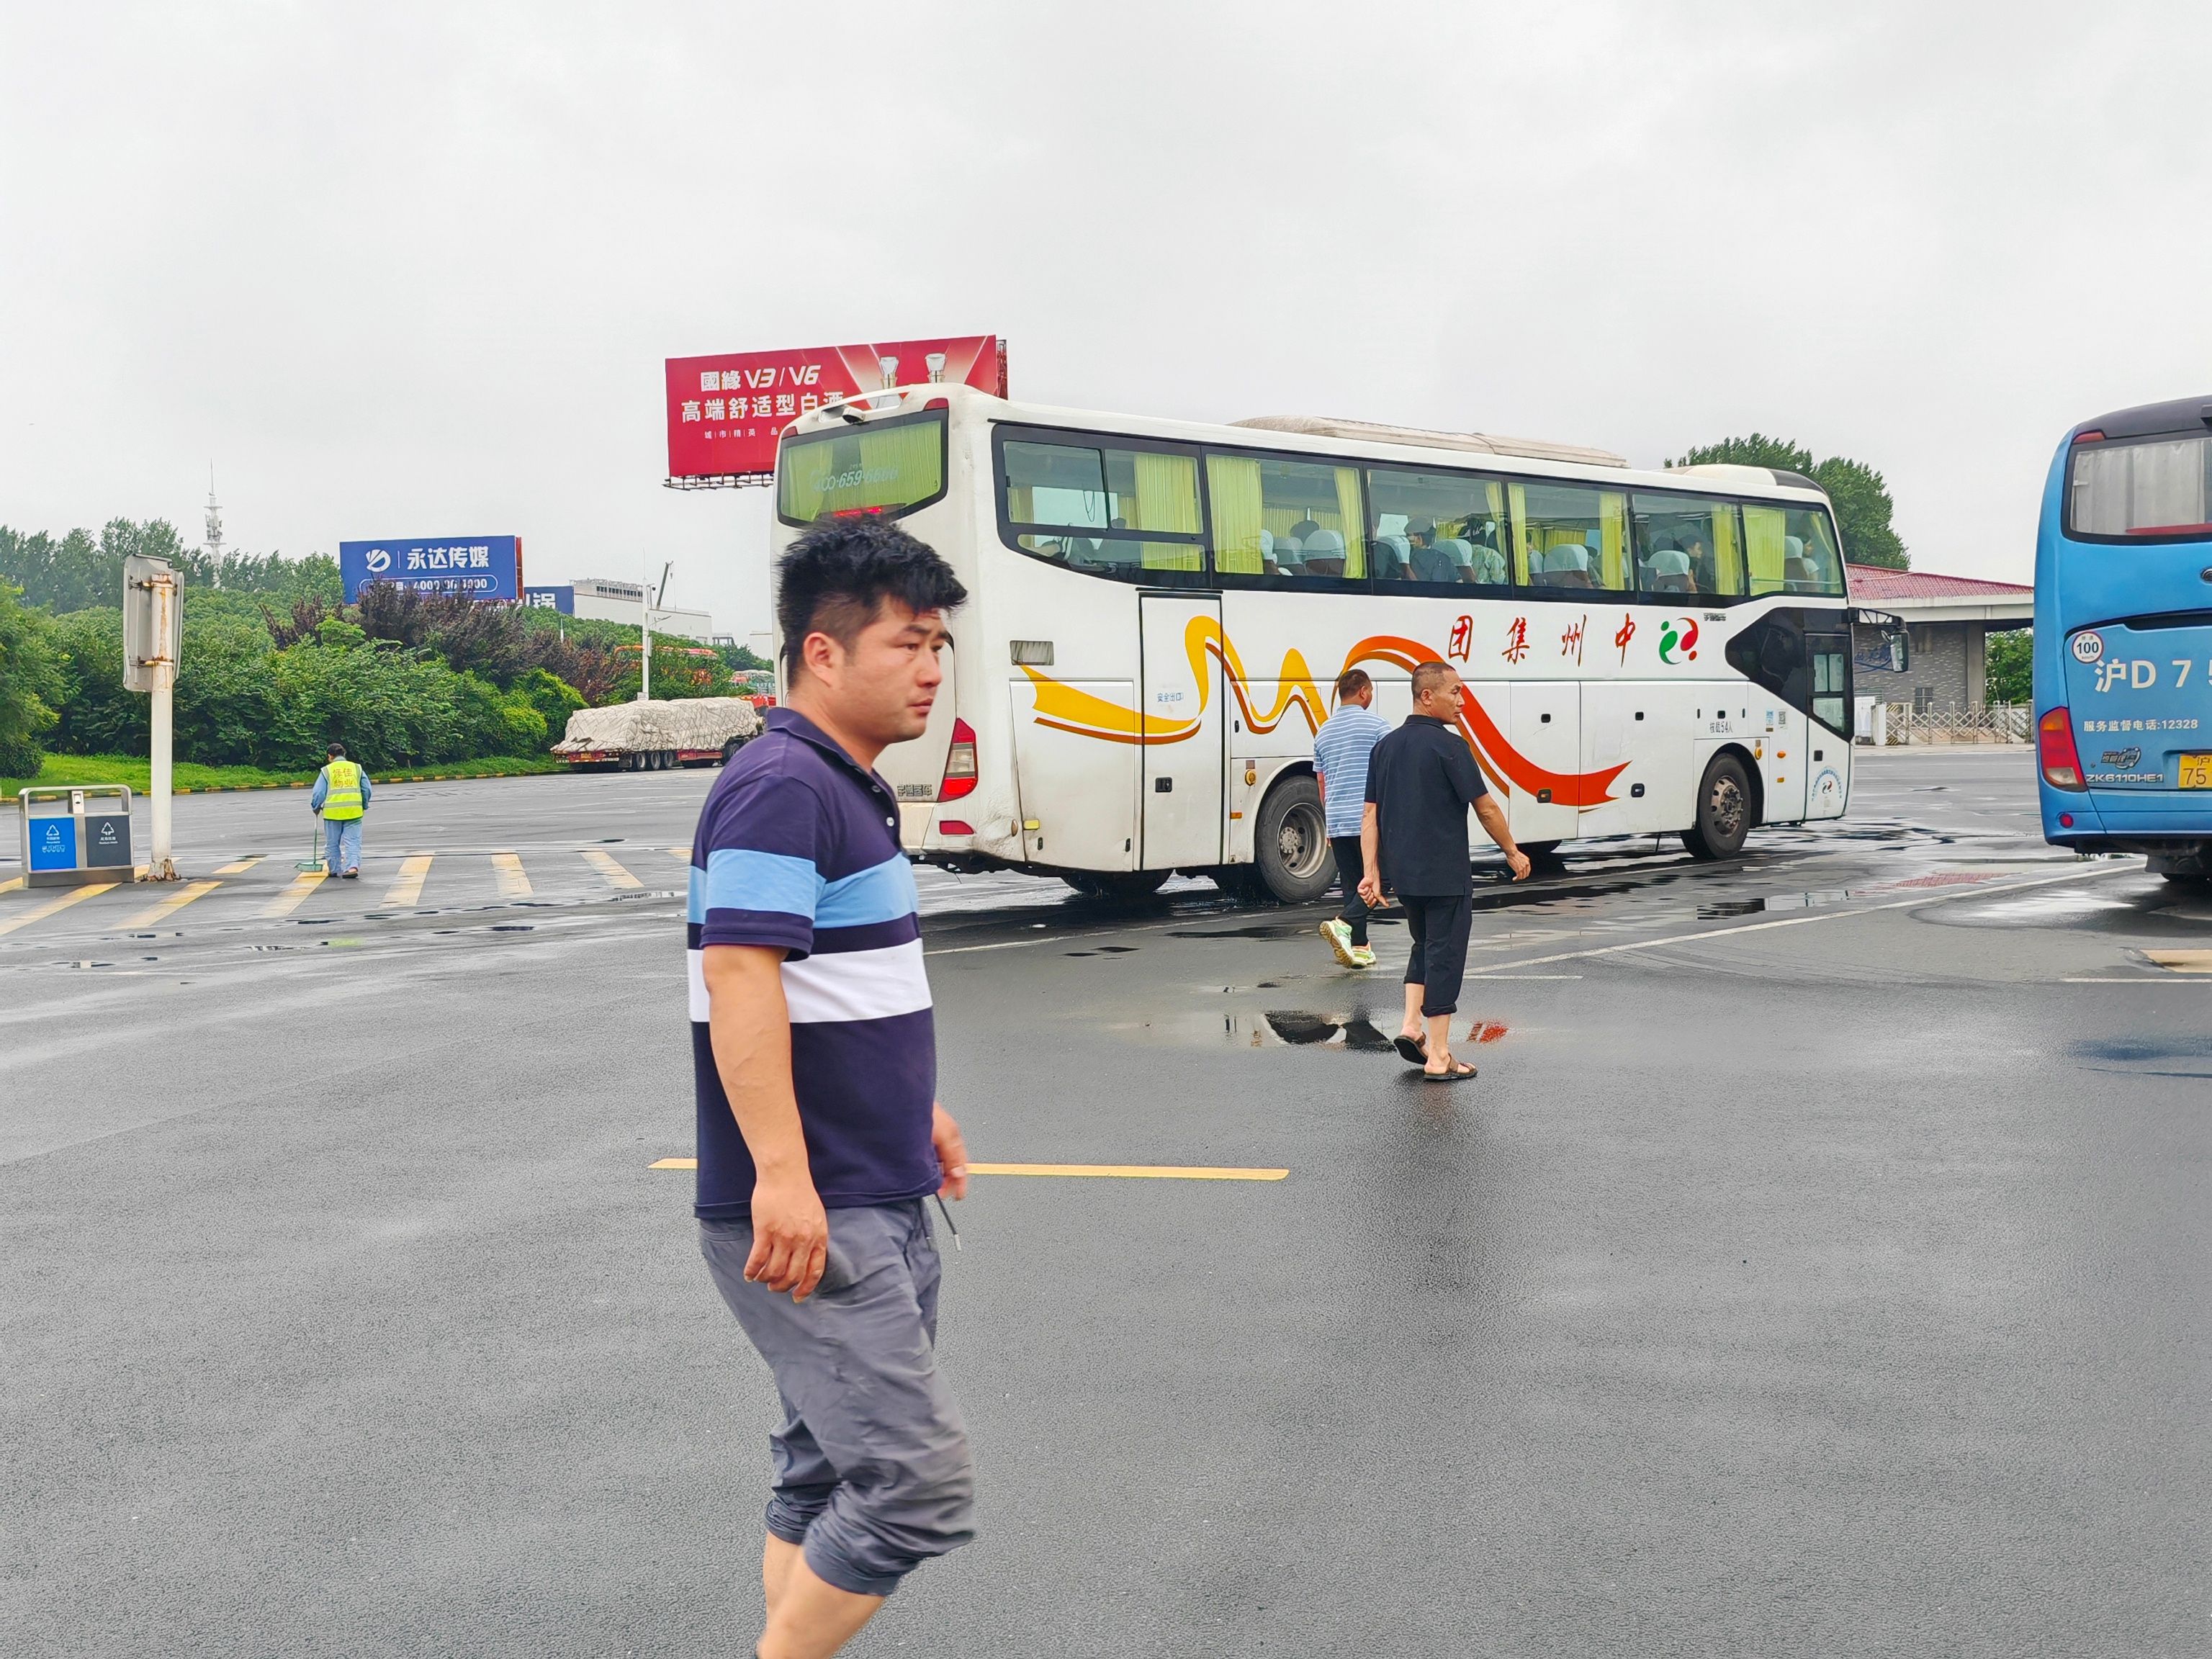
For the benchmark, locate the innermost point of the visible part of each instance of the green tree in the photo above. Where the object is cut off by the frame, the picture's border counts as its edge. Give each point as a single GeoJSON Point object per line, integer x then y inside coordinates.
{"type": "Point", "coordinates": [30, 684]}
{"type": "Point", "coordinates": [2011, 663]}
{"type": "Point", "coordinates": [1861, 496]}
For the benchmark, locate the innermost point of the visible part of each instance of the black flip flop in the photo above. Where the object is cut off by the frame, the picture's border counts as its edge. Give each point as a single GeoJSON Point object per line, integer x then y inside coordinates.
{"type": "Point", "coordinates": [1460, 1073]}
{"type": "Point", "coordinates": [1410, 1051]}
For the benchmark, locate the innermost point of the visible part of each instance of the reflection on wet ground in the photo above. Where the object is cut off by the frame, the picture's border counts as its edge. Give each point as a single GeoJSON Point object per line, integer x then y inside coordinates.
{"type": "Point", "coordinates": [1356, 1031]}
{"type": "Point", "coordinates": [2179, 1055]}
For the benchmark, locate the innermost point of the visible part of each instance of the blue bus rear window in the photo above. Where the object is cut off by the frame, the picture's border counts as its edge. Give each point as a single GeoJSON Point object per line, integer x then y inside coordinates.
{"type": "Point", "coordinates": [2158, 487]}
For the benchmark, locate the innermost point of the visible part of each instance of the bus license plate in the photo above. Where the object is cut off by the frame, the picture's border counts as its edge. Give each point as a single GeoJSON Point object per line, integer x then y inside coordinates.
{"type": "Point", "coordinates": [2196, 771]}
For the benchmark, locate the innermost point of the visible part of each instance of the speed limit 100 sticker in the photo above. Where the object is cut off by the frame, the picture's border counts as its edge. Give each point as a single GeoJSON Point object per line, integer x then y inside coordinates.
{"type": "Point", "coordinates": [2088, 646]}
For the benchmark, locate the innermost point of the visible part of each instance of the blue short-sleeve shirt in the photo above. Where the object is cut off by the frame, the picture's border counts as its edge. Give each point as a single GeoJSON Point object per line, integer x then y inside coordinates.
{"type": "Point", "coordinates": [798, 850]}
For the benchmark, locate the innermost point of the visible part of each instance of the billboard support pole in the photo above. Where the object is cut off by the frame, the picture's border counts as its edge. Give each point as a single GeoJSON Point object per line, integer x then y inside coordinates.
{"type": "Point", "coordinates": [153, 643]}
{"type": "Point", "coordinates": [160, 866]}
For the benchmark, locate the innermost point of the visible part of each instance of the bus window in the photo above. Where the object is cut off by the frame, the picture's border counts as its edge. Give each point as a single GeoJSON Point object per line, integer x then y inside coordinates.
{"type": "Point", "coordinates": [1437, 527]}
{"type": "Point", "coordinates": [886, 467]}
{"type": "Point", "coordinates": [2163, 488]}
{"type": "Point", "coordinates": [1107, 510]}
{"type": "Point", "coordinates": [1570, 536]}
{"type": "Point", "coordinates": [1687, 546]}
{"type": "Point", "coordinates": [1792, 550]}
{"type": "Point", "coordinates": [1290, 520]}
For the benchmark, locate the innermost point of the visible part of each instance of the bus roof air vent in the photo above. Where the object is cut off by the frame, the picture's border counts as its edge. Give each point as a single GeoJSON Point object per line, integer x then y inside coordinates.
{"type": "Point", "coordinates": [1481, 443]}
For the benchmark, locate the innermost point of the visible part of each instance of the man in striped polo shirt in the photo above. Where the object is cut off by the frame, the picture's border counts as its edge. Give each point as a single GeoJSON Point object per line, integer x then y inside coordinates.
{"type": "Point", "coordinates": [820, 1139]}
{"type": "Point", "coordinates": [1341, 747]}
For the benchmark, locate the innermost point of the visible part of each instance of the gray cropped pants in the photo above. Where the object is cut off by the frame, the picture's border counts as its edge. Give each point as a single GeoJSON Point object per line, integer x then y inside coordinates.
{"type": "Point", "coordinates": [873, 1475]}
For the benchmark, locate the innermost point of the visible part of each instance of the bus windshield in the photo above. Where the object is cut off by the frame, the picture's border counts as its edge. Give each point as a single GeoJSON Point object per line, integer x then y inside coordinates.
{"type": "Point", "coordinates": [2157, 487]}
{"type": "Point", "coordinates": [886, 467]}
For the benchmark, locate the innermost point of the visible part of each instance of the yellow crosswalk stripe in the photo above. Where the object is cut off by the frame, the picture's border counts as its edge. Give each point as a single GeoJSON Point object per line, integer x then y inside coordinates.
{"type": "Point", "coordinates": [513, 881]}
{"type": "Point", "coordinates": [76, 896]}
{"type": "Point", "coordinates": [241, 866]}
{"type": "Point", "coordinates": [408, 889]}
{"type": "Point", "coordinates": [295, 896]}
{"type": "Point", "coordinates": [604, 864]}
{"type": "Point", "coordinates": [683, 852]}
{"type": "Point", "coordinates": [169, 906]}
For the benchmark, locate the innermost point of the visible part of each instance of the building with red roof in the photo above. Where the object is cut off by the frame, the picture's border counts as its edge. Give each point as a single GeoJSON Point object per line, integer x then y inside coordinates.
{"type": "Point", "coordinates": [1930, 650]}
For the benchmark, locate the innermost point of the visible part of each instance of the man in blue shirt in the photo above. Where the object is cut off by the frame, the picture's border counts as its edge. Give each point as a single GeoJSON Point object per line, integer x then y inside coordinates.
{"type": "Point", "coordinates": [820, 1139]}
{"type": "Point", "coordinates": [1341, 748]}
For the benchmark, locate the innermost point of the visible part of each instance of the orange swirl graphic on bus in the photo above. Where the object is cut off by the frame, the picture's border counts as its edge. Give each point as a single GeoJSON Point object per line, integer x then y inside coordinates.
{"type": "Point", "coordinates": [1069, 708]}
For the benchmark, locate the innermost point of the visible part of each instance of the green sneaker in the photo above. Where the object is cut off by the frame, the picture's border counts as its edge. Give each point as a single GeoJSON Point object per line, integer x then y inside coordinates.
{"type": "Point", "coordinates": [1363, 955]}
{"type": "Point", "coordinates": [1338, 933]}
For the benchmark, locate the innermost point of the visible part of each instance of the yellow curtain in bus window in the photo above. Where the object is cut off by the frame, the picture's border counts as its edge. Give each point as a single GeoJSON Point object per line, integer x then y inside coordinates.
{"type": "Point", "coordinates": [1728, 558]}
{"type": "Point", "coordinates": [1612, 530]}
{"type": "Point", "coordinates": [1765, 533]}
{"type": "Point", "coordinates": [1233, 482]}
{"type": "Point", "coordinates": [878, 467]}
{"type": "Point", "coordinates": [1349, 521]}
{"type": "Point", "coordinates": [1167, 498]}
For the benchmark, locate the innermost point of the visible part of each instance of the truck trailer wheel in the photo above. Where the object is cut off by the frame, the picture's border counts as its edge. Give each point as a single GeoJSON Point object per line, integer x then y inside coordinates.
{"type": "Point", "coordinates": [1723, 811]}
{"type": "Point", "coordinates": [1290, 842]}
{"type": "Point", "coordinates": [729, 749]}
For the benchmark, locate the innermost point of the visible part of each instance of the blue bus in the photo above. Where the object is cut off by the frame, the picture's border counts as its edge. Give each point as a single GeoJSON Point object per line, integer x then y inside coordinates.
{"type": "Point", "coordinates": [2123, 638]}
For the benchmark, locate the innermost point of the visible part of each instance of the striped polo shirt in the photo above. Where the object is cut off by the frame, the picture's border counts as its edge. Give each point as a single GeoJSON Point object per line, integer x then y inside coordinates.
{"type": "Point", "coordinates": [798, 850]}
{"type": "Point", "coordinates": [1341, 747]}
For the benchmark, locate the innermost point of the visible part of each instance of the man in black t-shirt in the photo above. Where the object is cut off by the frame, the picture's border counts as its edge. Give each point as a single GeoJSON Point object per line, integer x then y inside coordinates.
{"type": "Point", "coordinates": [1421, 781]}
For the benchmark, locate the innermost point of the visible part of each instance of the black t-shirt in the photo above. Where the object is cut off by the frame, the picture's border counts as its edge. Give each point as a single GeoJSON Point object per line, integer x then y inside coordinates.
{"type": "Point", "coordinates": [1422, 779]}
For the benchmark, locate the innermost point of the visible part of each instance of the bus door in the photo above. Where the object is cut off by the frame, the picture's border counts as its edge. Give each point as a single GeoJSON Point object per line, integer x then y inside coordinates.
{"type": "Point", "coordinates": [1180, 696]}
{"type": "Point", "coordinates": [1547, 731]}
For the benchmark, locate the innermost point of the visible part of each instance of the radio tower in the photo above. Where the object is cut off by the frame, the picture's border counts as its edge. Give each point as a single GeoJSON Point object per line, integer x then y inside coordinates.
{"type": "Point", "coordinates": [213, 522]}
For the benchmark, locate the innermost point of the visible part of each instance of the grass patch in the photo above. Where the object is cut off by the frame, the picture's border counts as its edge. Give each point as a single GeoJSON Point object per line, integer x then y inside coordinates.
{"type": "Point", "coordinates": [65, 770]}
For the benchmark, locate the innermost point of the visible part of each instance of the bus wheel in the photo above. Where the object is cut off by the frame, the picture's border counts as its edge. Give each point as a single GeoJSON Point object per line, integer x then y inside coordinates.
{"type": "Point", "coordinates": [1723, 811]}
{"type": "Point", "coordinates": [1116, 884]}
{"type": "Point", "coordinates": [1289, 842]}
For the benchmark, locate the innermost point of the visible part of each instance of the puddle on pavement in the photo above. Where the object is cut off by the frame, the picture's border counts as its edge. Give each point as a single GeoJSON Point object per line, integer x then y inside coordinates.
{"type": "Point", "coordinates": [1357, 1032]}
{"type": "Point", "coordinates": [2161, 1055]}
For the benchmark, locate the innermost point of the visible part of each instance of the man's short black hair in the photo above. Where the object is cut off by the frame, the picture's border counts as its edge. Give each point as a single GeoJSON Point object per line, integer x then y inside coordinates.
{"type": "Point", "coordinates": [337, 751]}
{"type": "Point", "coordinates": [833, 579]}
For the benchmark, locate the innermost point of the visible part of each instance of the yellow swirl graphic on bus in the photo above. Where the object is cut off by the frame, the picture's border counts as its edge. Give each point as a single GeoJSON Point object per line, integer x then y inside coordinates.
{"type": "Point", "coordinates": [1067, 708]}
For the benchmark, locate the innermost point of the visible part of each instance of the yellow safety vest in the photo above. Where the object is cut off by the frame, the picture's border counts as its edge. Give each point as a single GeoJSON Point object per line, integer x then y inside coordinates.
{"type": "Point", "coordinates": [343, 801]}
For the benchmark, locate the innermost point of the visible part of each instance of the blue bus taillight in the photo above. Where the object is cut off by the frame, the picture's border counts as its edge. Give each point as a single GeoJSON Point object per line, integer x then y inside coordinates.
{"type": "Point", "coordinates": [2054, 742]}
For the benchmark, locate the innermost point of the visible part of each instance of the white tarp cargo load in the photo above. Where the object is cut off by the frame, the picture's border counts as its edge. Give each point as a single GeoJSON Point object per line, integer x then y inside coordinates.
{"type": "Point", "coordinates": [680, 724]}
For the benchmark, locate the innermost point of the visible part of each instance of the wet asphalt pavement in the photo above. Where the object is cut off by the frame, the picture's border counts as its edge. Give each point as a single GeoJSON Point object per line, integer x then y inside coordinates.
{"type": "Point", "coordinates": [1817, 1265]}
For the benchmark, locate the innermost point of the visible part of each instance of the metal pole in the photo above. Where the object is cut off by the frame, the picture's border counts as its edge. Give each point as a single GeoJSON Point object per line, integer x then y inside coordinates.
{"type": "Point", "coordinates": [160, 865]}
{"type": "Point", "coordinates": [644, 638]}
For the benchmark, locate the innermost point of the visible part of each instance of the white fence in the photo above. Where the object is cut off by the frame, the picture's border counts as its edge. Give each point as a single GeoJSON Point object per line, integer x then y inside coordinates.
{"type": "Point", "coordinates": [1894, 724]}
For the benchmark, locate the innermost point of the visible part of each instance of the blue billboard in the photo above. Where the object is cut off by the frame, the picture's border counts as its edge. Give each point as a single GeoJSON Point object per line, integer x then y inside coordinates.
{"type": "Point", "coordinates": [562, 599]}
{"type": "Point", "coordinates": [482, 567]}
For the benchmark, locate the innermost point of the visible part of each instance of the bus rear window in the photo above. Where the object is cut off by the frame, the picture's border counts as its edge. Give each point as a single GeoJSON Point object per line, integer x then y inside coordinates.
{"type": "Point", "coordinates": [883, 467]}
{"type": "Point", "coordinates": [2159, 488]}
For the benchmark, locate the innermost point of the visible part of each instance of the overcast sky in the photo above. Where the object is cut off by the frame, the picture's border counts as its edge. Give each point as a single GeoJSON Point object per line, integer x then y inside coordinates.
{"type": "Point", "coordinates": [413, 270]}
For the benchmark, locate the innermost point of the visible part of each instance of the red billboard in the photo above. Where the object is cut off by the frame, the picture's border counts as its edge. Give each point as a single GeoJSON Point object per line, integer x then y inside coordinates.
{"type": "Point", "coordinates": [725, 412]}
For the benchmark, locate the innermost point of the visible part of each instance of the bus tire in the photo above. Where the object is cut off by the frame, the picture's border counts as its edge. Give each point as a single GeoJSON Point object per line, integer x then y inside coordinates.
{"type": "Point", "coordinates": [1723, 811]}
{"type": "Point", "coordinates": [1290, 842]}
{"type": "Point", "coordinates": [1121, 885]}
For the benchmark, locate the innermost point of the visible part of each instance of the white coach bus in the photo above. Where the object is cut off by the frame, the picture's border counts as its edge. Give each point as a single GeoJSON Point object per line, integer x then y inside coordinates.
{"type": "Point", "coordinates": [1157, 610]}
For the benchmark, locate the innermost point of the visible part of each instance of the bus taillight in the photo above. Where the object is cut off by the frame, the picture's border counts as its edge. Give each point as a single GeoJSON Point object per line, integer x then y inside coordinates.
{"type": "Point", "coordinates": [2054, 742]}
{"type": "Point", "coordinates": [959, 763]}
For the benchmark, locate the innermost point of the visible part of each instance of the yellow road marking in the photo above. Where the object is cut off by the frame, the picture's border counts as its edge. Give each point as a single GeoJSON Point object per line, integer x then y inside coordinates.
{"type": "Point", "coordinates": [604, 864]}
{"type": "Point", "coordinates": [11, 884]}
{"type": "Point", "coordinates": [52, 905]}
{"type": "Point", "coordinates": [512, 882]}
{"type": "Point", "coordinates": [408, 889]}
{"type": "Point", "coordinates": [242, 866]}
{"type": "Point", "coordinates": [1122, 1171]}
{"type": "Point", "coordinates": [683, 852]}
{"type": "Point", "coordinates": [169, 906]}
{"type": "Point", "coordinates": [295, 896]}
{"type": "Point", "coordinates": [2183, 961]}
